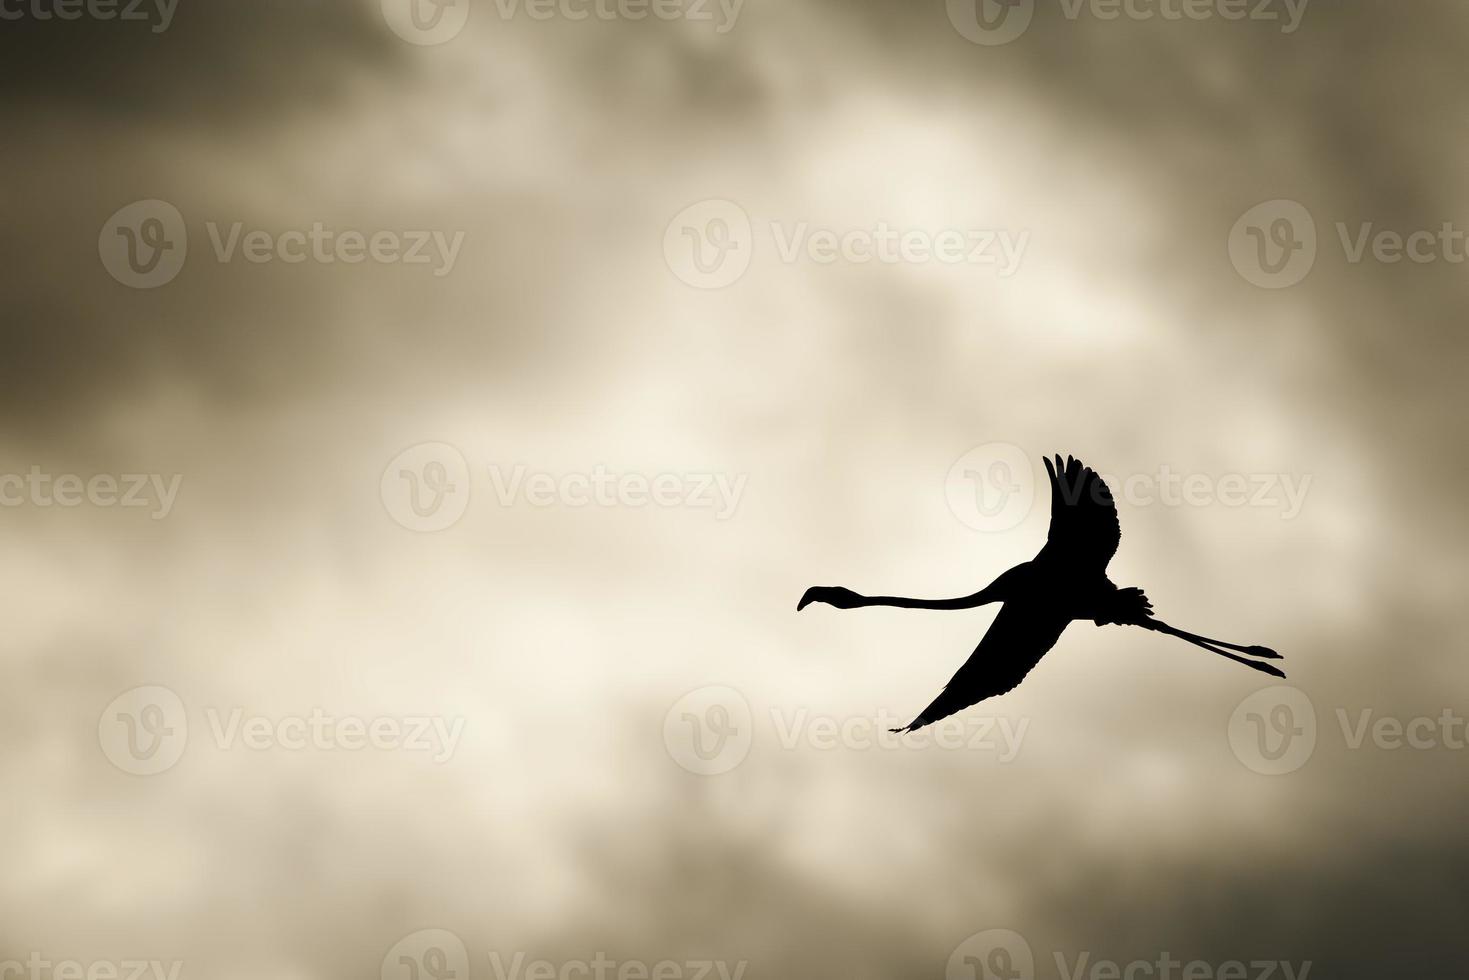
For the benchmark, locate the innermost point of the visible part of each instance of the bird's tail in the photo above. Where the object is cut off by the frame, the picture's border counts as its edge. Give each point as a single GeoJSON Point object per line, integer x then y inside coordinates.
{"type": "Point", "coordinates": [1126, 607]}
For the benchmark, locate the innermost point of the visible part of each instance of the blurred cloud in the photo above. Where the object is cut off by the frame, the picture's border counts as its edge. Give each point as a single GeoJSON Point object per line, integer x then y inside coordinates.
{"type": "Point", "coordinates": [842, 393]}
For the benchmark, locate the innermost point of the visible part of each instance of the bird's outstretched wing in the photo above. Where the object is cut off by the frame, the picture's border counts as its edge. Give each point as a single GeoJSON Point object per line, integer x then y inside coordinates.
{"type": "Point", "coordinates": [1017, 639]}
{"type": "Point", "coordinates": [1084, 530]}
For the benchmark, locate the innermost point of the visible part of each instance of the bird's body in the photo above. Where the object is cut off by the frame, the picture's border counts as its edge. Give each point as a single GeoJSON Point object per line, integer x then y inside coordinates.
{"type": "Point", "coordinates": [1066, 581]}
{"type": "Point", "coordinates": [1075, 594]}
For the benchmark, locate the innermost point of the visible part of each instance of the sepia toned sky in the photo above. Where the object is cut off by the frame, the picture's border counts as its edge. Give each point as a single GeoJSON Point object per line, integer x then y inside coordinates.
{"type": "Point", "coordinates": [547, 499]}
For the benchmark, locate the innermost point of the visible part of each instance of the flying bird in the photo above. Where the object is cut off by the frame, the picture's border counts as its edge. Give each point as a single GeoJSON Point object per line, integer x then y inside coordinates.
{"type": "Point", "coordinates": [1066, 581]}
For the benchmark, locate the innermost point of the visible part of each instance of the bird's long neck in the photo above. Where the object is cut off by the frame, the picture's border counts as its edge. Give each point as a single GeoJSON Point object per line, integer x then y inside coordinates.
{"type": "Point", "coordinates": [979, 598]}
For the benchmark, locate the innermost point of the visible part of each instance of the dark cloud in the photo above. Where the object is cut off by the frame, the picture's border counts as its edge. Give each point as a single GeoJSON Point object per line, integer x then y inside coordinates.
{"type": "Point", "coordinates": [562, 149]}
{"type": "Point", "coordinates": [217, 66]}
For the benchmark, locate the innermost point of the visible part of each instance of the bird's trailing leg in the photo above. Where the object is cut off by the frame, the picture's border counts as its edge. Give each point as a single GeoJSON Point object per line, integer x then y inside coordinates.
{"type": "Point", "coordinates": [1214, 647]}
{"type": "Point", "coordinates": [1264, 653]}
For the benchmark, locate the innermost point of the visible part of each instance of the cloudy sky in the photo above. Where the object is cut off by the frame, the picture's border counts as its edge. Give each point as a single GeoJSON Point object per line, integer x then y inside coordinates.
{"type": "Point", "coordinates": [494, 384]}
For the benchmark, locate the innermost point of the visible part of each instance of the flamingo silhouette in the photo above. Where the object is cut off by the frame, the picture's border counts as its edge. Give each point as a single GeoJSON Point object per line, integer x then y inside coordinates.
{"type": "Point", "coordinates": [1066, 581]}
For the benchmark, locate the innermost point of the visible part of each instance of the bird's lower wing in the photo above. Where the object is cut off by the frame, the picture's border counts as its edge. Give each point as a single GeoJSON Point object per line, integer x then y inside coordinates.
{"type": "Point", "coordinates": [1017, 639]}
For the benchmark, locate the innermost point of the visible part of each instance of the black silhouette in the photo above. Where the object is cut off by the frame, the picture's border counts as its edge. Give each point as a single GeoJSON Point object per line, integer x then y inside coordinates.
{"type": "Point", "coordinates": [1066, 581]}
